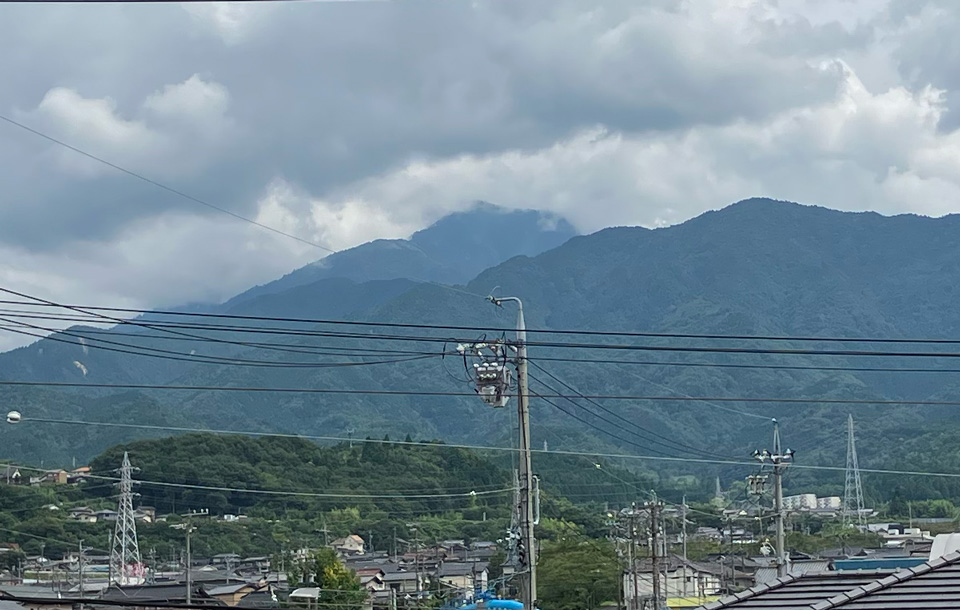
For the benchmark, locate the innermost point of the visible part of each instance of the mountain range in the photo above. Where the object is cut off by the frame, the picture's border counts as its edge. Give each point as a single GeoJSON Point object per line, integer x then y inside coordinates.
{"type": "Point", "coordinates": [757, 267]}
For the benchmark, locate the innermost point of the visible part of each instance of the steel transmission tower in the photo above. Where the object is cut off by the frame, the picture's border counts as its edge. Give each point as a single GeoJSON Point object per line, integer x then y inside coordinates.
{"type": "Point", "coordinates": [852, 512]}
{"type": "Point", "coordinates": [125, 565]}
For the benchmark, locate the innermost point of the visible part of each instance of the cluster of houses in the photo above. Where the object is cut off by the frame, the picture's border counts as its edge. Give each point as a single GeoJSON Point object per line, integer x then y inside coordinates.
{"type": "Point", "coordinates": [11, 475]}
{"type": "Point", "coordinates": [448, 569]}
{"type": "Point", "coordinates": [451, 568]}
{"type": "Point", "coordinates": [686, 583]}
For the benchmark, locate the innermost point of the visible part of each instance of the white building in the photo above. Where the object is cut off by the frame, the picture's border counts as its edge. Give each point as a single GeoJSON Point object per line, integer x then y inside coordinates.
{"type": "Point", "coordinates": [349, 545]}
{"type": "Point", "coordinates": [800, 502]}
{"type": "Point", "coordinates": [830, 503]}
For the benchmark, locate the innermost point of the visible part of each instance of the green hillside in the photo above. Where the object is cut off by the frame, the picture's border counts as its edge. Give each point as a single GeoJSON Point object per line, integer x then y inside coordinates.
{"type": "Point", "coordinates": [756, 267]}
{"type": "Point", "coordinates": [368, 488]}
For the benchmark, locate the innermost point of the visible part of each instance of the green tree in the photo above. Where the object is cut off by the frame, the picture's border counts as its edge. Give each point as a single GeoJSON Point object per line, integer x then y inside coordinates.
{"type": "Point", "coordinates": [577, 574]}
{"type": "Point", "coordinates": [340, 587]}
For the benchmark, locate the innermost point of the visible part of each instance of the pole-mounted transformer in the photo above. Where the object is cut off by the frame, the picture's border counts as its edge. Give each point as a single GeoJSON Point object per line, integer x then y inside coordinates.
{"type": "Point", "coordinates": [492, 376]}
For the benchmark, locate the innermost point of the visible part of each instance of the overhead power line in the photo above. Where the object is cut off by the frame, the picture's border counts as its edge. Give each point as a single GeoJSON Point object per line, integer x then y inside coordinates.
{"type": "Point", "coordinates": [552, 344]}
{"type": "Point", "coordinates": [497, 329]}
{"type": "Point", "coordinates": [647, 434]}
{"type": "Point", "coordinates": [160, 185]}
{"type": "Point", "coordinates": [305, 348]}
{"type": "Point", "coordinates": [349, 391]}
{"type": "Point", "coordinates": [301, 494]}
{"type": "Point", "coordinates": [141, 350]}
{"type": "Point", "coordinates": [441, 446]}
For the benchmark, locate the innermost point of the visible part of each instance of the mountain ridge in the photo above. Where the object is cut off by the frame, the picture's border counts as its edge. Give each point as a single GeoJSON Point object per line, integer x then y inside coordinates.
{"type": "Point", "coordinates": [756, 267]}
{"type": "Point", "coordinates": [498, 234]}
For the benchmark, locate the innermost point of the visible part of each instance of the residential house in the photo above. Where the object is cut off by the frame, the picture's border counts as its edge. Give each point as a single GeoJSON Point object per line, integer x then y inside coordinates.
{"type": "Point", "coordinates": [147, 514]}
{"type": "Point", "coordinates": [55, 477]}
{"type": "Point", "coordinates": [483, 550]}
{"type": "Point", "coordinates": [227, 560]}
{"type": "Point", "coordinates": [10, 475]}
{"type": "Point", "coordinates": [405, 581]}
{"type": "Point", "coordinates": [372, 578]}
{"type": "Point", "coordinates": [707, 533]}
{"type": "Point", "coordinates": [78, 475]}
{"type": "Point", "coordinates": [106, 514]}
{"type": "Point", "coordinates": [9, 547]}
{"type": "Point", "coordinates": [257, 564]}
{"type": "Point", "coordinates": [231, 594]}
{"type": "Point", "coordinates": [151, 595]}
{"type": "Point", "coordinates": [349, 545]}
{"type": "Point", "coordinates": [467, 576]}
{"type": "Point", "coordinates": [684, 578]}
{"type": "Point", "coordinates": [84, 514]}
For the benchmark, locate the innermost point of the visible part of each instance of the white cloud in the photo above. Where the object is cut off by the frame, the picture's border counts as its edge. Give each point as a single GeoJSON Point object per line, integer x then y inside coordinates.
{"type": "Point", "coordinates": [175, 131]}
{"type": "Point", "coordinates": [344, 122]}
{"type": "Point", "coordinates": [857, 151]}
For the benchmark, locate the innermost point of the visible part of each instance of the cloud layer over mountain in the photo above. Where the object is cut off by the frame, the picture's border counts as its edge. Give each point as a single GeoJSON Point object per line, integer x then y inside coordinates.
{"type": "Point", "coordinates": [341, 122]}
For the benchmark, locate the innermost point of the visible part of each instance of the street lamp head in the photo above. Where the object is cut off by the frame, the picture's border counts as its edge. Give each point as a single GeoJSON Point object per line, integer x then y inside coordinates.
{"type": "Point", "coordinates": [14, 417]}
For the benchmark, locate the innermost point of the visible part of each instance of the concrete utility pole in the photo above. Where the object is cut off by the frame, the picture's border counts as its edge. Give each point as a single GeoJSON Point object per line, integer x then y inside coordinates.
{"type": "Point", "coordinates": [529, 598]}
{"type": "Point", "coordinates": [189, 576]}
{"type": "Point", "coordinates": [683, 520]}
{"type": "Point", "coordinates": [493, 386]}
{"type": "Point", "coordinates": [80, 572]}
{"type": "Point", "coordinates": [780, 460]}
{"type": "Point", "coordinates": [188, 528]}
{"type": "Point", "coordinates": [633, 561]}
{"type": "Point", "coordinates": [655, 550]}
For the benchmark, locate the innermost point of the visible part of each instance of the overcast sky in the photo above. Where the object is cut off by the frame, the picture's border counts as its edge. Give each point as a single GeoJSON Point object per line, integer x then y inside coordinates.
{"type": "Point", "coordinates": [344, 122]}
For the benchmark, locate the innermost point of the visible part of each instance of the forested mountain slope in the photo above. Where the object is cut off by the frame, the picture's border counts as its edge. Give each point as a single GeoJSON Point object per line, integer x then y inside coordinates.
{"type": "Point", "coordinates": [758, 267]}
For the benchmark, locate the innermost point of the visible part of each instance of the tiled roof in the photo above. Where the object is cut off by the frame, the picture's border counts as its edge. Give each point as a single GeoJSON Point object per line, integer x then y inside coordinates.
{"type": "Point", "coordinates": [796, 592]}
{"type": "Point", "coordinates": [932, 585]}
{"type": "Point", "coordinates": [935, 584]}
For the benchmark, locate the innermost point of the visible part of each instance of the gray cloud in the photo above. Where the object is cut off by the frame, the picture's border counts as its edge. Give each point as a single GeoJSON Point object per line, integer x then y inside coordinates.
{"type": "Point", "coordinates": [346, 121]}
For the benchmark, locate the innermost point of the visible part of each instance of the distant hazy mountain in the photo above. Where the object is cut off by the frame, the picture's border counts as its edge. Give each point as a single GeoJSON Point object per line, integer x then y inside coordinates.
{"type": "Point", "coordinates": [756, 267]}
{"type": "Point", "coordinates": [451, 251]}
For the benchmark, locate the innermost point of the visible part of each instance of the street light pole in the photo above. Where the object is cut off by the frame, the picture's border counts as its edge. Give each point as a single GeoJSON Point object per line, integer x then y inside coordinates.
{"type": "Point", "coordinates": [529, 596]}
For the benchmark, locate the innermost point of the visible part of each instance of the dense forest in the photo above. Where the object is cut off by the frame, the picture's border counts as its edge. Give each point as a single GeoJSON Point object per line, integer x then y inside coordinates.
{"type": "Point", "coordinates": [293, 492]}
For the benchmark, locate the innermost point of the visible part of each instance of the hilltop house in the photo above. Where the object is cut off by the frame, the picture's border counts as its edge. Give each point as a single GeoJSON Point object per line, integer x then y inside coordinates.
{"type": "Point", "coordinates": [11, 475]}
{"type": "Point", "coordinates": [83, 514]}
{"type": "Point", "coordinates": [349, 545]}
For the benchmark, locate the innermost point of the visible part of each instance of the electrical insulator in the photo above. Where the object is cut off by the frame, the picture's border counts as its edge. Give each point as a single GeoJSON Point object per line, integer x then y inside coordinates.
{"type": "Point", "coordinates": [493, 379]}
{"type": "Point", "coordinates": [757, 484]}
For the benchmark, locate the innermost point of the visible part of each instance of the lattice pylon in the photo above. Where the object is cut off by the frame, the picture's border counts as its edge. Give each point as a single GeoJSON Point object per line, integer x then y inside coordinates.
{"type": "Point", "coordinates": [852, 512]}
{"type": "Point", "coordinates": [125, 565]}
